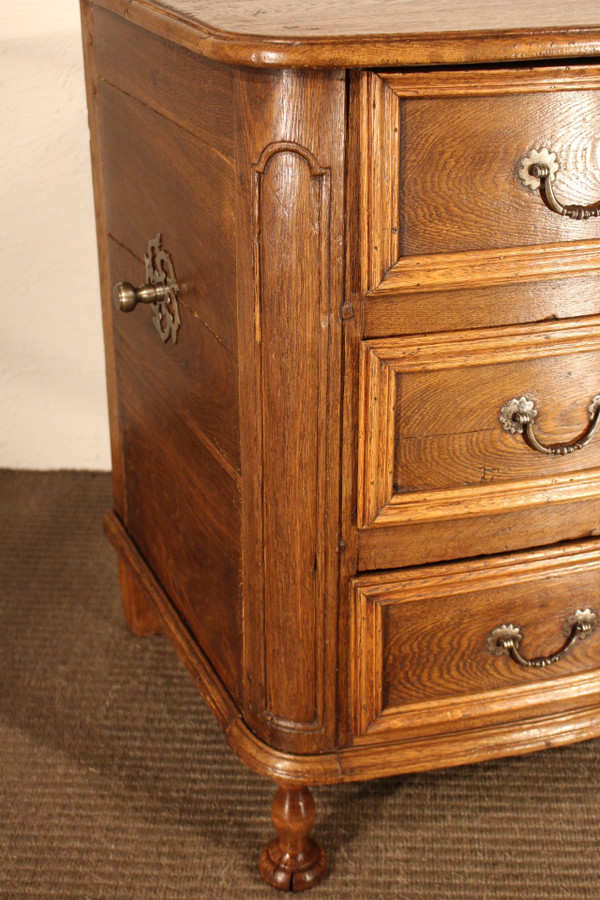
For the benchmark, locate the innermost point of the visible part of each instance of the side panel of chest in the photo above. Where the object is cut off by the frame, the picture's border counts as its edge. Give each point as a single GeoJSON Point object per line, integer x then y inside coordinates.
{"type": "Point", "coordinates": [168, 171]}
{"type": "Point", "coordinates": [229, 436]}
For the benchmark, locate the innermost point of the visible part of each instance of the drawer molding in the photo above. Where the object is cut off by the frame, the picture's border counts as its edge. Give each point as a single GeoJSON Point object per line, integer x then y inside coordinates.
{"type": "Point", "coordinates": [486, 499]}
{"type": "Point", "coordinates": [382, 360]}
{"type": "Point", "coordinates": [456, 715]}
{"type": "Point", "coordinates": [490, 82]}
{"type": "Point", "coordinates": [486, 268]}
{"type": "Point", "coordinates": [398, 203]}
{"type": "Point", "coordinates": [453, 584]}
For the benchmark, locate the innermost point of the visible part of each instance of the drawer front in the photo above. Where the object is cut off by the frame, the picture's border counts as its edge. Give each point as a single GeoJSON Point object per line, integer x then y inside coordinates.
{"type": "Point", "coordinates": [440, 436]}
{"type": "Point", "coordinates": [462, 139]}
{"type": "Point", "coordinates": [425, 642]}
{"type": "Point", "coordinates": [448, 202]}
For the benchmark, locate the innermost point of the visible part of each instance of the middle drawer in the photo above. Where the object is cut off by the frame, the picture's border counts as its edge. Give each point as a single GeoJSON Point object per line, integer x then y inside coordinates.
{"type": "Point", "coordinates": [458, 430]}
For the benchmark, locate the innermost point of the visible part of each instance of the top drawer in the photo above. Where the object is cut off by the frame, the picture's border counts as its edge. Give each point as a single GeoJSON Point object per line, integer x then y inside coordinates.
{"type": "Point", "coordinates": [445, 150]}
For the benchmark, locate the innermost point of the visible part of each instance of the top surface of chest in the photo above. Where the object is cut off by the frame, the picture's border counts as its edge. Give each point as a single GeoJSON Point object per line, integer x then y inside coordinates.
{"type": "Point", "coordinates": [371, 32]}
{"type": "Point", "coordinates": [314, 18]}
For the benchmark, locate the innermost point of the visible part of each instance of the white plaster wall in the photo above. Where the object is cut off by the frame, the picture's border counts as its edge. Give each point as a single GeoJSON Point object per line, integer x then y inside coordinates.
{"type": "Point", "coordinates": [52, 389]}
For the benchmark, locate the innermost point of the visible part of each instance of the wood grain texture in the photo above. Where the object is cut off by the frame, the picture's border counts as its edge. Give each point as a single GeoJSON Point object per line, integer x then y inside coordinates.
{"type": "Point", "coordinates": [140, 617]}
{"type": "Point", "coordinates": [442, 206]}
{"type": "Point", "coordinates": [420, 637]}
{"type": "Point", "coordinates": [352, 321]}
{"type": "Point", "coordinates": [292, 200]}
{"type": "Point", "coordinates": [478, 269]}
{"type": "Point", "coordinates": [396, 199]}
{"type": "Point", "coordinates": [516, 524]}
{"type": "Point", "coordinates": [449, 308]}
{"type": "Point", "coordinates": [312, 18]}
{"type": "Point", "coordinates": [290, 160]}
{"type": "Point", "coordinates": [159, 178]}
{"type": "Point", "coordinates": [492, 81]}
{"type": "Point", "coordinates": [197, 375]}
{"type": "Point", "coordinates": [284, 768]}
{"type": "Point", "coordinates": [430, 420]}
{"type": "Point", "coordinates": [398, 33]}
{"type": "Point", "coordinates": [293, 861]}
{"type": "Point", "coordinates": [458, 170]}
{"type": "Point", "coordinates": [287, 198]}
{"type": "Point", "coordinates": [184, 515]}
{"type": "Point", "coordinates": [437, 650]}
{"type": "Point", "coordinates": [447, 431]}
{"type": "Point", "coordinates": [376, 435]}
{"type": "Point", "coordinates": [378, 163]}
{"type": "Point", "coordinates": [177, 403]}
{"type": "Point", "coordinates": [191, 91]}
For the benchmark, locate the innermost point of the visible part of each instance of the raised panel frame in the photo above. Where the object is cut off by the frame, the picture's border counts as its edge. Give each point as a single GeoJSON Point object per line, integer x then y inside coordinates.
{"type": "Point", "coordinates": [385, 275]}
{"type": "Point", "coordinates": [382, 360]}
{"type": "Point", "coordinates": [369, 595]}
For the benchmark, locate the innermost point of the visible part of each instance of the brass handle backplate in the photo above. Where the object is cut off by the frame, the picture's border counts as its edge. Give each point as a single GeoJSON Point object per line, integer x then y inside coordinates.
{"type": "Point", "coordinates": [537, 170]}
{"type": "Point", "coordinates": [160, 290]}
{"type": "Point", "coordinates": [518, 415]}
{"type": "Point", "coordinates": [506, 639]}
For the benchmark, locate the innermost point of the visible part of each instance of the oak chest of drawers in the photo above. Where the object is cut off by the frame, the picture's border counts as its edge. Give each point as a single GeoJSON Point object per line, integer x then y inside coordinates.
{"type": "Point", "coordinates": [350, 263]}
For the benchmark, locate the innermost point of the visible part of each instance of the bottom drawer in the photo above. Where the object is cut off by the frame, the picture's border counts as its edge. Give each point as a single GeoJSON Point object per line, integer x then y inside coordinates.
{"type": "Point", "coordinates": [457, 646]}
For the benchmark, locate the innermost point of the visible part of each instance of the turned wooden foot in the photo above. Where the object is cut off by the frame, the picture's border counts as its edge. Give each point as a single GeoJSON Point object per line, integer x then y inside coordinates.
{"type": "Point", "coordinates": [293, 861]}
{"type": "Point", "coordinates": [140, 617]}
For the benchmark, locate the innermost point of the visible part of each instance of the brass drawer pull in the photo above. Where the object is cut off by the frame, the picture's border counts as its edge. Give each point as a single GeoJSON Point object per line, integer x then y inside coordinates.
{"type": "Point", "coordinates": [518, 417]}
{"type": "Point", "coordinates": [506, 639]}
{"type": "Point", "coordinates": [126, 297]}
{"type": "Point", "coordinates": [538, 170]}
{"type": "Point", "coordinates": [160, 290]}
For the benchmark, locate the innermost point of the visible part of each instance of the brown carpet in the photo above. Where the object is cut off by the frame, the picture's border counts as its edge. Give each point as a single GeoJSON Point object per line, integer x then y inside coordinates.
{"type": "Point", "coordinates": [115, 781]}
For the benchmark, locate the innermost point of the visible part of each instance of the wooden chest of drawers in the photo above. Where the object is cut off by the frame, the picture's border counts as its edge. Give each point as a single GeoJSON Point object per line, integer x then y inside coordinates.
{"type": "Point", "coordinates": [353, 418]}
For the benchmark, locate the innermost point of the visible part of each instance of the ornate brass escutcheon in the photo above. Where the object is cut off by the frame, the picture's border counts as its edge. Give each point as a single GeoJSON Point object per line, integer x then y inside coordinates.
{"type": "Point", "coordinates": [160, 290]}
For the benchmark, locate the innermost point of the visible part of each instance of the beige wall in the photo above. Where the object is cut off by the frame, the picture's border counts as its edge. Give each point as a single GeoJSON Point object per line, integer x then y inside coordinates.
{"type": "Point", "coordinates": [52, 391]}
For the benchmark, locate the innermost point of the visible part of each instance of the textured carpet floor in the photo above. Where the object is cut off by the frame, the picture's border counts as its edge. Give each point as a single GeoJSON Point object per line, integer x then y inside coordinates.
{"type": "Point", "coordinates": [115, 781]}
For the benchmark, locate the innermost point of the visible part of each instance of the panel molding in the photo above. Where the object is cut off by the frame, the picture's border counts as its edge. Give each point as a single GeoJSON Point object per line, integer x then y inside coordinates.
{"type": "Point", "coordinates": [379, 152]}
{"type": "Point", "coordinates": [275, 337]}
{"type": "Point", "coordinates": [290, 202]}
{"type": "Point", "coordinates": [258, 175]}
{"type": "Point", "coordinates": [487, 268]}
{"type": "Point", "coordinates": [382, 360]}
{"type": "Point", "coordinates": [384, 272]}
{"type": "Point", "coordinates": [490, 82]}
{"type": "Point", "coordinates": [291, 312]}
{"type": "Point", "coordinates": [371, 594]}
